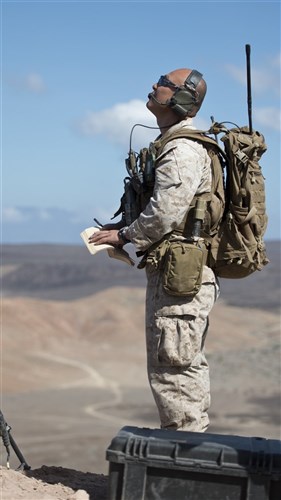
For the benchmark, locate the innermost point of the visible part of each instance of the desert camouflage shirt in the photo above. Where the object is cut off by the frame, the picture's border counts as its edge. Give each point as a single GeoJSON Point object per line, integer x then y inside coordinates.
{"type": "Point", "coordinates": [183, 170]}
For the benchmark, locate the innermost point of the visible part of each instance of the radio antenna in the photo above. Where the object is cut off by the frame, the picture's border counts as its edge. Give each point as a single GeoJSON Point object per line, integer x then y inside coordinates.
{"type": "Point", "coordinates": [249, 89]}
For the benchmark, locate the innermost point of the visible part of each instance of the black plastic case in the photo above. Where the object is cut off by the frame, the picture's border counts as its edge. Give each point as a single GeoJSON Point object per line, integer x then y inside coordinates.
{"type": "Point", "coordinates": [157, 464]}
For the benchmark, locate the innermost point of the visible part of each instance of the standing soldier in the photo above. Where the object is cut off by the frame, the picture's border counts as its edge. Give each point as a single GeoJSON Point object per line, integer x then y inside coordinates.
{"type": "Point", "coordinates": [176, 324]}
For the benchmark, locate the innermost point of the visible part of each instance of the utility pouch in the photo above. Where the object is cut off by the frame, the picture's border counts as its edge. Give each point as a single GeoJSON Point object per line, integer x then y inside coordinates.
{"type": "Point", "coordinates": [183, 267]}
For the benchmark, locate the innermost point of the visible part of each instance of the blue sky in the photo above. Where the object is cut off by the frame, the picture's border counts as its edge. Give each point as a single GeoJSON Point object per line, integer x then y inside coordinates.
{"type": "Point", "coordinates": [75, 79]}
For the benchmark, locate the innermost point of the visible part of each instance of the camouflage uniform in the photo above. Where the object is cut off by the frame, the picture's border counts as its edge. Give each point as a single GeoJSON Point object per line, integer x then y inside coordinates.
{"type": "Point", "coordinates": [176, 327]}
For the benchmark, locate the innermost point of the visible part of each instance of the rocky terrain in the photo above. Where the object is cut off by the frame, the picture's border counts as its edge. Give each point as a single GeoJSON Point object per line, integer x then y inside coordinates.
{"type": "Point", "coordinates": [73, 364]}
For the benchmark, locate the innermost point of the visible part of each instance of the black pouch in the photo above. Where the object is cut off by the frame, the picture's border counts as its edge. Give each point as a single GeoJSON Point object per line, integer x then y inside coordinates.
{"type": "Point", "coordinates": [183, 267]}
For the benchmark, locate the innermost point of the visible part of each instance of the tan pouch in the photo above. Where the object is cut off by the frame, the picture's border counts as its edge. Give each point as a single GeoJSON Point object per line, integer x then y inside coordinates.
{"type": "Point", "coordinates": [183, 269]}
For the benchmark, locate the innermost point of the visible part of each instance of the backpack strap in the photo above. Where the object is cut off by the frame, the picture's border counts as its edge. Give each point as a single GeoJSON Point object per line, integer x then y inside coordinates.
{"type": "Point", "coordinates": [195, 135]}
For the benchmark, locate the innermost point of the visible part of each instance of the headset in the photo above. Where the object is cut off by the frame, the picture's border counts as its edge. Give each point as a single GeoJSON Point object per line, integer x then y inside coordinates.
{"type": "Point", "coordinates": [186, 96]}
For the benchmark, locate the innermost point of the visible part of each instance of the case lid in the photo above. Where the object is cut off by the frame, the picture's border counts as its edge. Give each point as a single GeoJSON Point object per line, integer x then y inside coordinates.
{"type": "Point", "coordinates": [160, 447]}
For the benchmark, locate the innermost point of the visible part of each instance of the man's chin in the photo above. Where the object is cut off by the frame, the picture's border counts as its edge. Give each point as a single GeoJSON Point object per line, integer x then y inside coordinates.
{"type": "Point", "coordinates": [150, 104]}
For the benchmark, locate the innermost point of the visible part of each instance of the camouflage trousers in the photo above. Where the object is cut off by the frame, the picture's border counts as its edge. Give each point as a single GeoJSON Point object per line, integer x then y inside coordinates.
{"type": "Point", "coordinates": [178, 372]}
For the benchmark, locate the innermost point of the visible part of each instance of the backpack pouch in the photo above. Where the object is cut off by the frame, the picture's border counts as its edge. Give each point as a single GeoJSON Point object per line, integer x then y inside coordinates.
{"type": "Point", "coordinates": [237, 253]}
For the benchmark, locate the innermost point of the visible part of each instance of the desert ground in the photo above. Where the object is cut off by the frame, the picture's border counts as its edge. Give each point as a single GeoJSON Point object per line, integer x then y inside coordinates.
{"type": "Point", "coordinates": [73, 368]}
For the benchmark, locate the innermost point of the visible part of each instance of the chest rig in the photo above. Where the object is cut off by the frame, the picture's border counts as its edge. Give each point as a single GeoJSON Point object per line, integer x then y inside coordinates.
{"type": "Point", "coordinates": [202, 215]}
{"type": "Point", "coordinates": [138, 184]}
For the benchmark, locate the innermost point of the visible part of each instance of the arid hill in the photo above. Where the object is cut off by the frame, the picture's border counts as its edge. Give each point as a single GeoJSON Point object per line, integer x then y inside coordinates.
{"type": "Point", "coordinates": [73, 360]}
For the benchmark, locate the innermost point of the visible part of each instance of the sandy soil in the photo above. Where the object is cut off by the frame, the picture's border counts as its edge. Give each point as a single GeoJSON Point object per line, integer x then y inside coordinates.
{"type": "Point", "coordinates": [52, 483]}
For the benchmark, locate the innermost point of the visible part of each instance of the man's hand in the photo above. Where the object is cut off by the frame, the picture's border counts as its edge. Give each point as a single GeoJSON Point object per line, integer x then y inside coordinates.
{"type": "Point", "coordinates": [109, 236]}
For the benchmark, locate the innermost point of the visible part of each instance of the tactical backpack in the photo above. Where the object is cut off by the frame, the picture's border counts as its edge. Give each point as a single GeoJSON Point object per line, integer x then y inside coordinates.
{"type": "Point", "coordinates": [234, 219]}
{"type": "Point", "coordinates": [237, 249]}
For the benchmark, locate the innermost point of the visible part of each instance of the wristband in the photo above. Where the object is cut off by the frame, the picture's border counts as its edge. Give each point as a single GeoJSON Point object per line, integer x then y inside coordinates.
{"type": "Point", "coordinates": [121, 235]}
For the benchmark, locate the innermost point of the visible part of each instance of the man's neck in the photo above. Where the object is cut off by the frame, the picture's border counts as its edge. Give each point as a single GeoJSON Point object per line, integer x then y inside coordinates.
{"type": "Point", "coordinates": [165, 124]}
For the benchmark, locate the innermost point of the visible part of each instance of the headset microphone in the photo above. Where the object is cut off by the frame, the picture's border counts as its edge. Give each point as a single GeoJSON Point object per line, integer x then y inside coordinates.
{"type": "Point", "coordinates": [152, 96]}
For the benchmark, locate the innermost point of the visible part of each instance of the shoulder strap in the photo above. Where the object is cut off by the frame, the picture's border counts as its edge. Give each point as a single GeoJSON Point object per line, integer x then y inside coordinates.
{"type": "Point", "coordinates": [195, 135]}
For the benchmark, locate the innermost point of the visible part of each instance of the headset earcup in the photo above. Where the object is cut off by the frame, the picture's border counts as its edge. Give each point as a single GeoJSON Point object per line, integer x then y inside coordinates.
{"type": "Point", "coordinates": [182, 102]}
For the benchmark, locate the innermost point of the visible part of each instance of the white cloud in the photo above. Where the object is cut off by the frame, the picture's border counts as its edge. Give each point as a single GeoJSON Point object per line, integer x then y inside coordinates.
{"type": "Point", "coordinates": [13, 214]}
{"type": "Point", "coordinates": [263, 79]}
{"type": "Point", "coordinates": [44, 214]}
{"type": "Point", "coordinates": [237, 73]}
{"type": "Point", "coordinates": [116, 123]}
{"type": "Point", "coordinates": [22, 214]}
{"type": "Point", "coordinates": [39, 224]}
{"type": "Point", "coordinates": [34, 82]}
{"type": "Point", "coordinates": [276, 61]}
{"type": "Point", "coordinates": [266, 82]}
{"type": "Point", "coordinates": [269, 117]}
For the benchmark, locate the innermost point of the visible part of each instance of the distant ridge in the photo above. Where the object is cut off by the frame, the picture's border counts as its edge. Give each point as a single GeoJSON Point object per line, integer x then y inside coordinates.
{"type": "Point", "coordinates": [69, 272]}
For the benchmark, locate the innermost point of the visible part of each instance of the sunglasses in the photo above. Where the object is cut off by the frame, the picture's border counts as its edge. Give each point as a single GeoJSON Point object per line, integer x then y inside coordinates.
{"type": "Point", "coordinates": [165, 82]}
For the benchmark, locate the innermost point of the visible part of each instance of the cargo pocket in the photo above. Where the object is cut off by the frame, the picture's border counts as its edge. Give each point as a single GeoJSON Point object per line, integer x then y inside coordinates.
{"type": "Point", "coordinates": [175, 326]}
{"type": "Point", "coordinates": [179, 341]}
